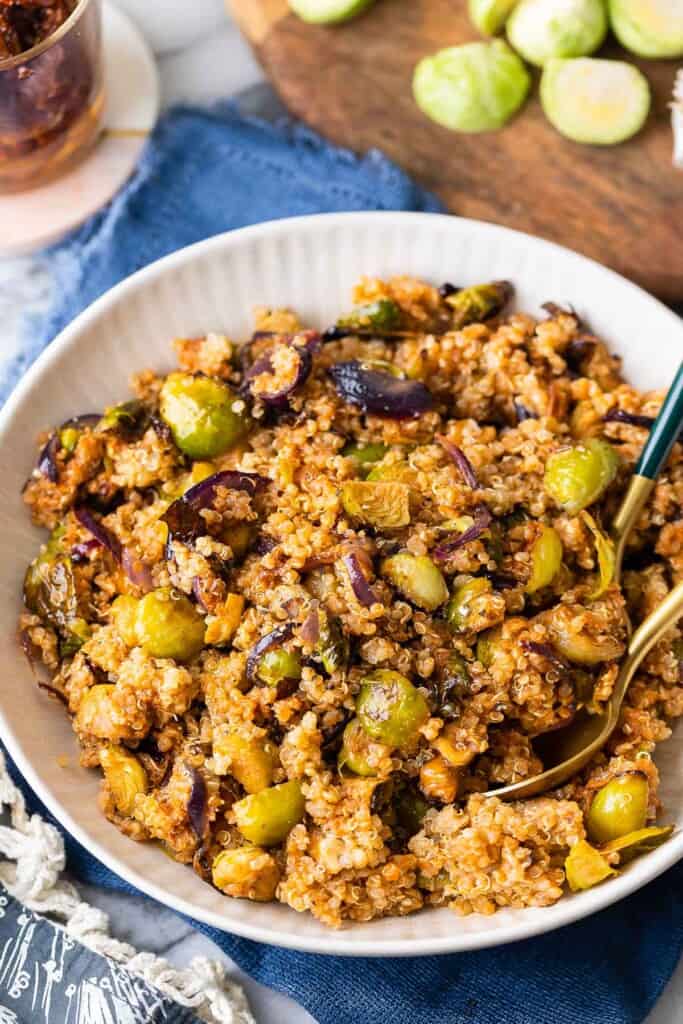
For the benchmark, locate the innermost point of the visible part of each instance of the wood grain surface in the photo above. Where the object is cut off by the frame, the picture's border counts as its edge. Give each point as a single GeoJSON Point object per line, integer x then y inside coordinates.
{"type": "Point", "coordinates": [622, 205]}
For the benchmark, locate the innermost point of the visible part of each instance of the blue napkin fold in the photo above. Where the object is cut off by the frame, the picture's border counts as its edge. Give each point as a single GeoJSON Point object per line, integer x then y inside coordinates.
{"type": "Point", "coordinates": [206, 172]}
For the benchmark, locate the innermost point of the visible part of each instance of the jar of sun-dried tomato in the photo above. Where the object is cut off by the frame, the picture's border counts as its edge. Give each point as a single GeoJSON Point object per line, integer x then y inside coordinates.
{"type": "Point", "coordinates": [51, 92]}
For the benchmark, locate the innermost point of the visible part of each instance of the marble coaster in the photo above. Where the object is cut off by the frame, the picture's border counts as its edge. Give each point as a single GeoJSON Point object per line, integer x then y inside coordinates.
{"type": "Point", "coordinates": [31, 220]}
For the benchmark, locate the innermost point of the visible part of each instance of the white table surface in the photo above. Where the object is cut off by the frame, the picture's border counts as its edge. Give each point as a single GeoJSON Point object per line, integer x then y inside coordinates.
{"type": "Point", "coordinates": [212, 63]}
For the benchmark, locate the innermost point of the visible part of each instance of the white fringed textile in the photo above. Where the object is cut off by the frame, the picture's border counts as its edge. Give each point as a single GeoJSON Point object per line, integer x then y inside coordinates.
{"type": "Point", "coordinates": [31, 862]}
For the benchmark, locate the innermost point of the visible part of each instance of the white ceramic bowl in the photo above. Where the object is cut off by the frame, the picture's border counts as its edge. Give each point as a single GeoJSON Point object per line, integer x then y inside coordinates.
{"type": "Point", "coordinates": [311, 264]}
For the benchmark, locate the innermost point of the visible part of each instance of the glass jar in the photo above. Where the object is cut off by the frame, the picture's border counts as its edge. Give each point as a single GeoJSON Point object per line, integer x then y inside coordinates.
{"type": "Point", "coordinates": [52, 101]}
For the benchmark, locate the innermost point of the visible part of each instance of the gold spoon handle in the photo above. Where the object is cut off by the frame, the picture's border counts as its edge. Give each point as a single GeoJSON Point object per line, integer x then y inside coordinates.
{"type": "Point", "coordinates": [646, 636]}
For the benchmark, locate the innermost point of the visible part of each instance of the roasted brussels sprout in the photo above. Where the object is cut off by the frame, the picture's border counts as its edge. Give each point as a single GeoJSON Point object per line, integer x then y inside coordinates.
{"type": "Point", "coordinates": [417, 578]}
{"type": "Point", "coordinates": [50, 593]}
{"type": "Point", "coordinates": [572, 633]}
{"type": "Point", "coordinates": [546, 559]}
{"type": "Point", "coordinates": [267, 817]}
{"type": "Point", "coordinates": [247, 872]}
{"type": "Point", "coordinates": [277, 665]}
{"type": "Point", "coordinates": [618, 808]}
{"type": "Point", "coordinates": [578, 476]}
{"type": "Point", "coordinates": [458, 609]}
{"type": "Point", "coordinates": [168, 625]}
{"type": "Point", "coordinates": [125, 777]}
{"type": "Point", "coordinates": [365, 455]}
{"type": "Point", "coordinates": [479, 302]}
{"type": "Point", "coordinates": [359, 752]}
{"type": "Point", "coordinates": [385, 506]}
{"type": "Point", "coordinates": [382, 316]}
{"type": "Point", "coordinates": [332, 647]}
{"type": "Point", "coordinates": [390, 709]}
{"type": "Point", "coordinates": [205, 416]}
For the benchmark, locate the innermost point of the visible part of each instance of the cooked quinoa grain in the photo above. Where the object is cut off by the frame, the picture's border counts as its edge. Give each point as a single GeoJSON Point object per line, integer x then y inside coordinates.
{"type": "Point", "coordinates": [309, 599]}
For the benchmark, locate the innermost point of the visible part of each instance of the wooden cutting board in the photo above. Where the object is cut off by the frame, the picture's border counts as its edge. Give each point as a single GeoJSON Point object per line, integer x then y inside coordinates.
{"type": "Point", "coordinates": [622, 205]}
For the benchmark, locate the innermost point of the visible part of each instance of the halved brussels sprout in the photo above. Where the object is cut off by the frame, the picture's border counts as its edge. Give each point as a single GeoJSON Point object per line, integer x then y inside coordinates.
{"type": "Point", "coordinates": [476, 87]}
{"type": "Point", "coordinates": [277, 665]}
{"type": "Point", "coordinates": [570, 630]}
{"type": "Point", "coordinates": [266, 818]}
{"type": "Point", "coordinates": [459, 607]}
{"type": "Point", "coordinates": [585, 867]}
{"type": "Point", "coordinates": [365, 455]}
{"type": "Point", "coordinates": [168, 625]}
{"type": "Point", "coordinates": [125, 777]}
{"type": "Point", "coordinates": [328, 12]}
{"type": "Point", "coordinates": [542, 29]}
{"type": "Point", "coordinates": [489, 16]}
{"type": "Point", "coordinates": [50, 593]}
{"type": "Point", "coordinates": [385, 506]}
{"type": "Point", "coordinates": [619, 808]}
{"type": "Point", "coordinates": [418, 578]}
{"type": "Point", "coordinates": [332, 647]}
{"type": "Point", "coordinates": [247, 872]}
{"type": "Point", "coordinates": [479, 302]}
{"type": "Point", "coordinates": [650, 28]}
{"type": "Point", "coordinates": [206, 417]}
{"type": "Point", "coordinates": [597, 102]}
{"type": "Point", "coordinates": [546, 559]}
{"type": "Point", "coordinates": [390, 708]}
{"type": "Point", "coordinates": [358, 748]}
{"type": "Point", "coordinates": [576, 477]}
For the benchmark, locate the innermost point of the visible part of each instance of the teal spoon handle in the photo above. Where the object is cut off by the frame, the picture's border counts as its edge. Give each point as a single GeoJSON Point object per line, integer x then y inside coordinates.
{"type": "Point", "coordinates": [664, 432]}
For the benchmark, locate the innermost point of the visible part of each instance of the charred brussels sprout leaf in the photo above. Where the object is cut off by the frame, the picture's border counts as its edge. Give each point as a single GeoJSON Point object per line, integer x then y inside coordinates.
{"type": "Point", "coordinates": [50, 593]}
{"type": "Point", "coordinates": [585, 867]}
{"type": "Point", "coordinates": [478, 303]}
{"type": "Point", "coordinates": [128, 420]}
{"type": "Point", "coordinates": [382, 316]}
{"type": "Point", "coordinates": [332, 647]}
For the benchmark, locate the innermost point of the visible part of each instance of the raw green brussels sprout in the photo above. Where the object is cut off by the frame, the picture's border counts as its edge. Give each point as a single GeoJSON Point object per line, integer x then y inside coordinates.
{"type": "Point", "coordinates": [597, 102]}
{"type": "Point", "coordinates": [542, 29]}
{"type": "Point", "coordinates": [650, 28]}
{"type": "Point", "coordinates": [328, 12]}
{"type": "Point", "coordinates": [472, 88]}
{"type": "Point", "coordinates": [206, 417]}
{"type": "Point", "coordinates": [489, 16]}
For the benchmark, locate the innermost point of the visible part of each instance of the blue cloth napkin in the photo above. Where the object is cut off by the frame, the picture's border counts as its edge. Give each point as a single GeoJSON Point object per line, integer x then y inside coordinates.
{"type": "Point", "coordinates": [206, 172]}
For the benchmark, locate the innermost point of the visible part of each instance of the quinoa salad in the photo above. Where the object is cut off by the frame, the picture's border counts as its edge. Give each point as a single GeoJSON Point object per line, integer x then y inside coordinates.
{"type": "Point", "coordinates": [311, 597]}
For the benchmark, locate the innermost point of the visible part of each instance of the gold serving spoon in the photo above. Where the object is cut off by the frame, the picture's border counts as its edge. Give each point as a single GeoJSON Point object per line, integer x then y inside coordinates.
{"type": "Point", "coordinates": [566, 751]}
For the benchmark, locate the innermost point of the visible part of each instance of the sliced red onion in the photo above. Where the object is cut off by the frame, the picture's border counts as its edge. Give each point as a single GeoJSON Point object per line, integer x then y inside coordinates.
{"type": "Point", "coordinates": [279, 399]}
{"type": "Point", "coordinates": [482, 521]}
{"type": "Point", "coordinates": [47, 460]}
{"type": "Point", "coordinates": [547, 652]}
{"type": "Point", "coordinates": [182, 517]}
{"type": "Point", "coordinates": [554, 309]}
{"type": "Point", "coordinates": [101, 534]}
{"type": "Point", "coordinates": [380, 393]}
{"type": "Point", "coordinates": [264, 543]}
{"type": "Point", "coordinates": [198, 592]}
{"type": "Point", "coordinates": [460, 459]}
{"type": "Point", "coordinates": [359, 584]}
{"type": "Point", "coordinates": [136, 570]}
{"type": "Point", "coordinates": [630, 418]}
{"type": "Point", "coordinates": [197, 803]}
{"type": "Point", "coordinates": [265, 644]}
{"type": "Point", "coordinates": [81, 552]}
{"type": "Point", "coordinates": [310, 627]}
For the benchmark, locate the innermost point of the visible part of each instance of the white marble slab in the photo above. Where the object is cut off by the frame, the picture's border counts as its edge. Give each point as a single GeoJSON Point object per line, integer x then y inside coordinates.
{"type": "Point", "coordinates": [204, 61]}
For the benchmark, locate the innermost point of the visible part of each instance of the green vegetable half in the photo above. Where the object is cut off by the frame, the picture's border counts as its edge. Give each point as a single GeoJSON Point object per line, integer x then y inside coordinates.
{"type": "Point", "coordinates": [599, 102]}
{"type": "Point", "coordinates": [542, 29]}
{"type": "Point", "coordinates": [328, 12]}
{"type": "Point", "coordinates": [650, 28]}
{"type": "Point", "coordinates": [489, 16]}
{"type": "Point", "coordinates": [472, 88]}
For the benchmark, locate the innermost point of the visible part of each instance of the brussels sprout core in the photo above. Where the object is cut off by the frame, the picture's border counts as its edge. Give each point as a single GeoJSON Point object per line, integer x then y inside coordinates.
{"type": "Point", "coordinates": [600, 102]}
